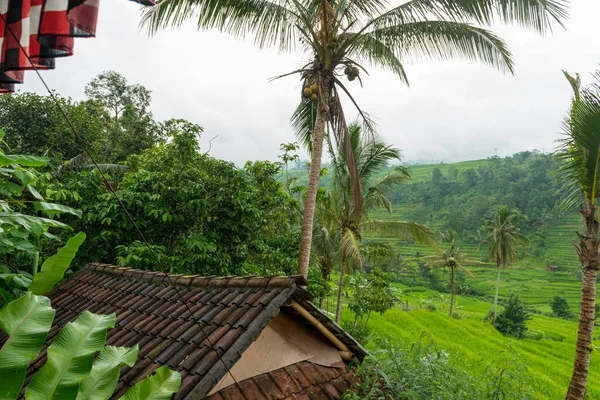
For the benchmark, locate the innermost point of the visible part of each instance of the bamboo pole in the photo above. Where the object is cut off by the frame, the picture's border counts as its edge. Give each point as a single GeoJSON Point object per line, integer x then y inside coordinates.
{"type": "Point", "coordinates": [345, 353]}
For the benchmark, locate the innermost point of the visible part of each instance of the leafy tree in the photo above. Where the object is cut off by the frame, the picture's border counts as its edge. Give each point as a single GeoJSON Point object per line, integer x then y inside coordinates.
{"type": "Point", "coordinates": [504, 238]}
{"type": "Point", "coordinates": [513, 319]}
{"type": "Point", "coordinates": [349, 222]}
{"type": "Point", "coordinates": [70, 370]}
{"type": "Point", "coordinates": [560, 307]}
{"type": "Point", "coordinates": [129, 127]}
{"type": "Point", "coordinates": [372, 293]}
{"type": "Point", "coordinates": [318, 286]}
{"type": "Point", "coordinates": [199, 214]}
{"type": "Point", "coordinates": [340, 35]}
{"type": "Point", "coordinates": [452, 258]}
{"type": "Point", "coordinates": [289, 155]}
{"type": "Point", "coordinates": [580, 172]}
{"type": "Point", "coordinates": [34, 125]}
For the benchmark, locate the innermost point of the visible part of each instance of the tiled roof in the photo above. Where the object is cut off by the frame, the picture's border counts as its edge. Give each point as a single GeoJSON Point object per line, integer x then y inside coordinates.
{"type": "Point", "coordinates": [303, 380]}
{"type": "Point", "coordinates": [231, 311]}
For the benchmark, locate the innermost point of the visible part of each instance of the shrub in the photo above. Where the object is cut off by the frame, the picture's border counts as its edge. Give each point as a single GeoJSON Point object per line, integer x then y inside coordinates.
{"type": "Point", "coordinates": [424, 372]}
{"type": "Point", "coordinates": [560, 308]}
{"type": "Point", "coordinates": [513, 319]}
{"type": "Point", "coordinates": [371, 293]}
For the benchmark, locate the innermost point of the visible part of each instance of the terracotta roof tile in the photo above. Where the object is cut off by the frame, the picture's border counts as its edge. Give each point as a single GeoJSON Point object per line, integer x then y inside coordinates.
{"type": "Point", "coordinates": [291, 383]}
{"type": "Point", "coordinates": [232, 311]}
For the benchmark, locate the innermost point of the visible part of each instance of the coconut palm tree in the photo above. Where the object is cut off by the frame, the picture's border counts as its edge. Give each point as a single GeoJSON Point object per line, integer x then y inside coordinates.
{"type": "Point", "coordinates": [504, 239]}
{"type": "Point", "coordinates": [452, 258]}
{"type": "Point", "coordinates": [338, 36]}
{"type": "Point", "coordinates": [371, 156]}
{"type": "Point", "coordinates": [579, 154]}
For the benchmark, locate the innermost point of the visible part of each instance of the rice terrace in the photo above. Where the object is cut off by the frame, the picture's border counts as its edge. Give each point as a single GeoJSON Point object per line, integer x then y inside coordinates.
{"type": "Point", "coordinates": [299, 199]}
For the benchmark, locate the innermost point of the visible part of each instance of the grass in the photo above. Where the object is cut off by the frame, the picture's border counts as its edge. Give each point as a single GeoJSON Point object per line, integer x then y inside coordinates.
{"type": "Point", "coordinates": [475, 345]}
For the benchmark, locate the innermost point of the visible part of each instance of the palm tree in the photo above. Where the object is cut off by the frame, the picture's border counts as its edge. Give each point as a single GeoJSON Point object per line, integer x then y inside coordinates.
{"type": "Point", "coordinates": [372, 155]}
{"type": "Point", "coordinates": [504, 238]}
{"type": "Point", "coordinates": [337, 36]}
{"type": "Point", "coordinates": [452, 258]}
{"type": "Point", "coordinates": [580, 172]}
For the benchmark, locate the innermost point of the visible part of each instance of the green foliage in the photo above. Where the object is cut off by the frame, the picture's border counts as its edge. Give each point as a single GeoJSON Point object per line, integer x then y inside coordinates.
{"type": "Point", "coordinates": [26, 223]}
{"type": "Point", "coordinates": [34, 125]}
{"type": "Point", "coordinates": [70, 357]}
{"type": "Point", "coordinates": [104, 376]}
{"type": "Point", "coordinates": [70, 370]}
{"type": "Point", "coordinates": [373, 293]}
{"type": "Point", "coordinates": [422, 371]}
{"type": "Point", "coordinates": [27, 321]}
{"type": "Point", "coordinates": [560, 307]}
{"type": "Point", "coordinates": [159, 386]}
{"type": "Point", "coordinates": [200, 214]}
{"type": "Point", "coordinates": [317, 286]}
{"type": "Point", "coordinates": [54, 268]}
{"type": "Point", "coordinates": [513, 319]}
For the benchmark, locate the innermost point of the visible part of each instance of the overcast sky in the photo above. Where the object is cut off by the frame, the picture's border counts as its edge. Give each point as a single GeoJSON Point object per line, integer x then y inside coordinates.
{"type": "Point", "coordinates": [452, 111]}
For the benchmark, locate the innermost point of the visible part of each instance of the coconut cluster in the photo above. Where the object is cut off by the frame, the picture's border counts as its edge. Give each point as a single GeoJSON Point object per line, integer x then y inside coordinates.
{"type": "Point", "coordinates": [311, 92]}
{"type": "Point", "coordinates": [352, 72]}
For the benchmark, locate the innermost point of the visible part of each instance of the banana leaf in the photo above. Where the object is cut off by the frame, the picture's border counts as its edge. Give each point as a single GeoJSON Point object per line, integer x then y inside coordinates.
{"type": "Point", "coordinates": [103, 379]}
{"type": "Point", "coordinates": [51, 209]}
{"type": "Point", "coordinates": [55, 266]}
{"type": "Point", "coordinates": [70, 358]}
{"type": "Point", "coordinates": [159, 386]}
{"type": "Point", "coordinates": [26, 161]}
{"type": "Point", "coordinates": [27, 321]}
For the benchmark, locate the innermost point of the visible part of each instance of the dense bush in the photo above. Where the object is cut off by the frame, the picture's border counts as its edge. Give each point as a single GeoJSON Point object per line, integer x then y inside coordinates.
{"type": "Point", "coordinates": [200, 215]}
{"type": "Point", "coordinates": [513, 319]}
{"type": "Point", "coordinates": [371, 293]}
{"type": "Point", "coordinates": [424, 372]}
{"type": "Point", "coordinates": [560, 307]}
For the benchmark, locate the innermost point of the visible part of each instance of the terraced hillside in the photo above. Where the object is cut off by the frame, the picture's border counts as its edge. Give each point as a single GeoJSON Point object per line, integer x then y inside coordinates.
{"type": "Point", "coordinates": [529, 278]}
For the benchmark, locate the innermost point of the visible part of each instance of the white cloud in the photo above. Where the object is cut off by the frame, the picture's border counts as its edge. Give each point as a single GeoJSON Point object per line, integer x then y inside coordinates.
{"type": "Point", "coordinates": [452, 111]}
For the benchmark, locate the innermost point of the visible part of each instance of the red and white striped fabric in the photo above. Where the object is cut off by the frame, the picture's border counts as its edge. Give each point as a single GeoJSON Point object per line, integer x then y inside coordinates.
{"type": "Point", "coordinates": [46, 29]}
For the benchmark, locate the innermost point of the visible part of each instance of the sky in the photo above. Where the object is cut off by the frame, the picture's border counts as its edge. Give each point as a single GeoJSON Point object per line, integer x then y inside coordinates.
{"type": "Point", "coordinates": [452, 111]}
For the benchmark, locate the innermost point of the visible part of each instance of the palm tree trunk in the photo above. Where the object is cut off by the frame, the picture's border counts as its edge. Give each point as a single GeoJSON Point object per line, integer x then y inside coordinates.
{"type": "Point", "coordinates": [496, 296]}
{"type": "Point", "coordinates": [313, 180]}
{"type": "Point", "coordinates": [588, 255]}
{"type": "Point", "coordinates": [338, 310]}
{"type": "Point", "coordinates": [451, 289]}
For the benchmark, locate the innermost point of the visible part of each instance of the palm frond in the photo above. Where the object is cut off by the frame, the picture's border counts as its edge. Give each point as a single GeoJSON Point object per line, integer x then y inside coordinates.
{"type": "Point", "coordinates": [375, 199]}
{"type": "Point", "coordinates": [466, 270]}
{"type": "Point", "coordinates": [579, 152]}
{"type": "Point", "coordinates": [372, 50]}
{"type": "Point", "coordinates": [375, 155]}
{"type": "Point", "coordinates": [402, 230]}
{"type": "Point", "coordinates": [397, 176]}
{"type": "Point", "coordinates": [443, 40]}
{"type": "Point", "coordinates": [303, 123]}
{"type": "Point", "coordinates": [349, 246]}
{"type": "Point", "coordinates": [540, 15]}
{"type": "Point", "coordinates": [273, 23]}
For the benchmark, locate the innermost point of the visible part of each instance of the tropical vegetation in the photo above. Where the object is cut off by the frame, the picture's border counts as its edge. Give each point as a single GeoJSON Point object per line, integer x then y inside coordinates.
{"type": "Point", "coordinates": [453, 259]}
{"type": "Point", "coordinates": [504, 238]}
{"type": "Point", "coordinates": [338, 37]}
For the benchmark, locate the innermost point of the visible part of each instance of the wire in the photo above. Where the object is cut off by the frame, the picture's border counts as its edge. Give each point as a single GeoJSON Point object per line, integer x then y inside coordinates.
{"type": "Point", "coordinates": [113, 191]}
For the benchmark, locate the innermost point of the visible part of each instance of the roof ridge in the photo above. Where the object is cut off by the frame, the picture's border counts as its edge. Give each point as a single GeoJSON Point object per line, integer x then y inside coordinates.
{"type": "Point", "coordinates": [232, 281]}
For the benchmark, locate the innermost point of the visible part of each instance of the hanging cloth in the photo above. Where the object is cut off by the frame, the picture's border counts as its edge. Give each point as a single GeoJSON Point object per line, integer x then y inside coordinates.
{"type": "Point", "coordinates": [46, 29]}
